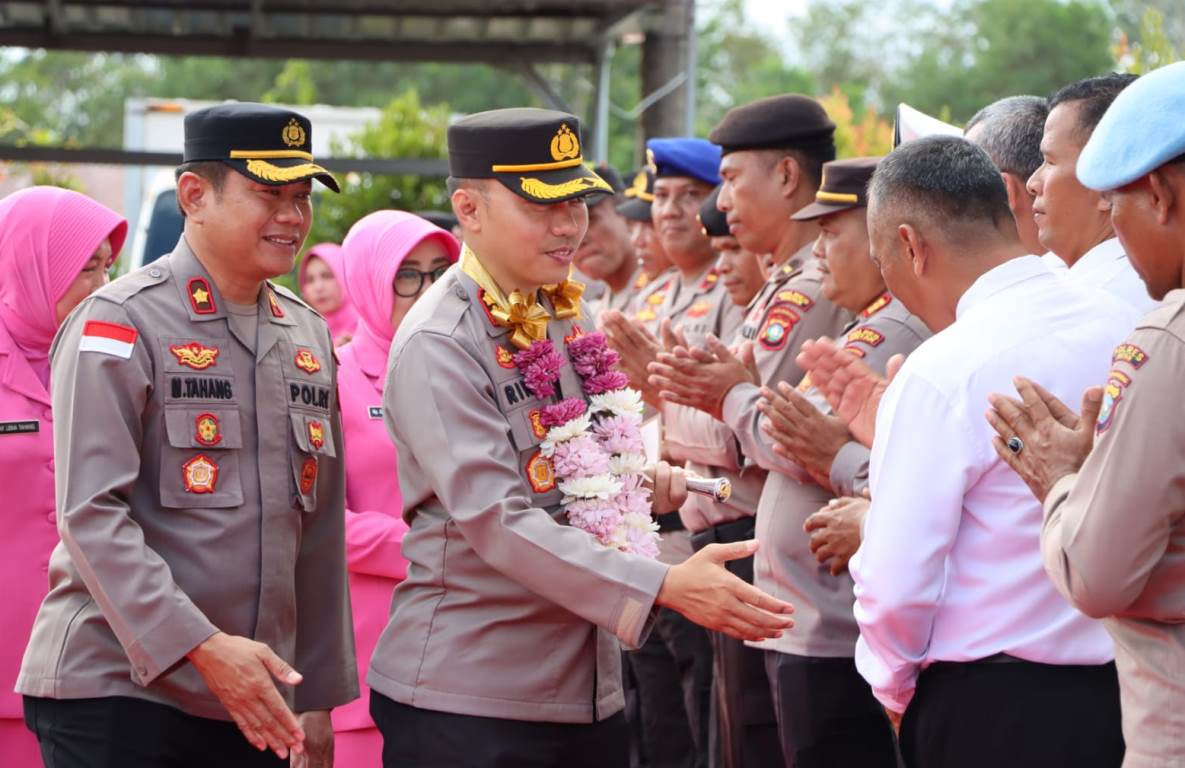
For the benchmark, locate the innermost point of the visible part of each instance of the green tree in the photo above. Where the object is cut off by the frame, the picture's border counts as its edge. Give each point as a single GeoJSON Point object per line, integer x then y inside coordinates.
{"type": "Point", "coordinates": [406, 128]}
{"type": "Point", "coordinates": [989, 49]}
{"type": "Point", "coordinates": [1152, 48]}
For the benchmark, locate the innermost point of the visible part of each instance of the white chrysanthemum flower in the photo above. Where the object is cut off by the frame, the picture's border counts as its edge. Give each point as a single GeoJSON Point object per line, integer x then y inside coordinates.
{"type": "Point", "coordinates": [595, 487]}
{"type": "Point", "coordinates": [620, 402]}
{"type": "Point", "coordinates": [627, 464]}
{"type": "Point", "coordinates": [574, 428]}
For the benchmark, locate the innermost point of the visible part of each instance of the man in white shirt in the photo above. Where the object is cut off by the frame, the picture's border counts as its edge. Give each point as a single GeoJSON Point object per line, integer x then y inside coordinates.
{"type": "Point", "coordinates": [1009, 130]}
{"type": "Point", "coordinates": [960, 627]}
{"type": "Point", "coordinates": [1072, 221]}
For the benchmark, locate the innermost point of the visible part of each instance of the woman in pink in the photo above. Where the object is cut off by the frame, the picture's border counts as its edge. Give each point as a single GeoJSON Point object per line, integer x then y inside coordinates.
{"type": "Point", "coordinates": [320, 278]}
{"type": "Point", "coordinates": [55, 249]}
{"type": "Point", "coordinates": [391, 258]}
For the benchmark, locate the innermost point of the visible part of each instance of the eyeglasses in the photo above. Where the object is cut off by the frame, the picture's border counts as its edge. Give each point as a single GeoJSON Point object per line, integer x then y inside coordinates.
{"type": "Point", "coordinates": [409, 282]}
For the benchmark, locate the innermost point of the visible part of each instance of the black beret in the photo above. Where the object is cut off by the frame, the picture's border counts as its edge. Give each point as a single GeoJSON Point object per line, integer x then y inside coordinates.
{"type": "Point", "coordinates": [712, 220]}
{"type": "Point", "coordinates": [789, 121]}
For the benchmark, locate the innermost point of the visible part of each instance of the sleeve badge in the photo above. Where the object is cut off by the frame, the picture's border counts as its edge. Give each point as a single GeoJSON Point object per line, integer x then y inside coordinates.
{"type": "Point", "coordinates": [1117, 382]}
{"type": "Point", "coordinates": [1130, 354]}
{"type": "Point", "coordinates": [866, 335]}
{"type": "Point", "coordinates": [778, 324]}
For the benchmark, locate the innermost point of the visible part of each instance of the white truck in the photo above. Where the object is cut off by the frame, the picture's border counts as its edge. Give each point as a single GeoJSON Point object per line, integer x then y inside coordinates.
{"type": "Point", "coordinates": [157, 125]}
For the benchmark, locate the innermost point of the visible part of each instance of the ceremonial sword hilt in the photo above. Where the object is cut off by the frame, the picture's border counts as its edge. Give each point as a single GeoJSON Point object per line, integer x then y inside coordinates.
{"type": "Point", "coordinates": [718, 489]}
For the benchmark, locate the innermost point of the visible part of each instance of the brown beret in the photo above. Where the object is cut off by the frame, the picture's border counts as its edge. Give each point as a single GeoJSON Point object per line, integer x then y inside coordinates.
{"type": "Point", "coordinates": [845, 186]}
{"type": "Point", "coordinates": [788, 121]}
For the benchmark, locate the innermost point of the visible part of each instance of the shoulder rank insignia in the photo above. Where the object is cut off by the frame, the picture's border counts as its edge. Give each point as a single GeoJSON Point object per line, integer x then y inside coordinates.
{"type": "Point", "coordinates": [200, 474]}
{"type": "Point", "coordinates": [274, 303]}
{"type": "Point", "coordinates": [307, 361]}
{"type": "Point", "coordinates": [308, 475]}
{"type": "Point", "coordinates": [709, 279]}
{"type": "Point", "coordinates": [797, 298]}
{"type": "Point", "coordinates": [195, 355]}
{"type": "Point", "coordinates": [536, 419]}
{"type": "Point", "coordinates": [1117, 382]}
{"type": "Point", "coordinates": [316, 434]}
{"type": "Point", "coordinates": [540, 473]}
{"type": "Point", "coordinates": [504, 357]}
{"type": "Point", "coordinates": [869, 336]}
{"type": "Point", "coordinates": [699, 309]}
{"type": "Point", "coordinates": [201, 298]}
{"type": "Point", "coordinates": [778, 323]}
{"type": "Point", "coordinates": [1130, 354]}
{"type": "Point", "coordinates": [206, 430]}
{"type": "Point", "coordinates": [881, 302]}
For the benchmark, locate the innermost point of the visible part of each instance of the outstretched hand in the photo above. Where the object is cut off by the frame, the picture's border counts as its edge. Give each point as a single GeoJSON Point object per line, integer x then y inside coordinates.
{"type": "Point", "coordinates": [703, 590]}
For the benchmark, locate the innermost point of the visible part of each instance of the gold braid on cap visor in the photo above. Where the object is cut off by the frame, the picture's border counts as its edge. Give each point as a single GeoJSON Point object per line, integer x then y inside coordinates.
{"type": "Point", "coordinates": [541, 190]}
{"type": "Point", "coordinates": [265, 170]}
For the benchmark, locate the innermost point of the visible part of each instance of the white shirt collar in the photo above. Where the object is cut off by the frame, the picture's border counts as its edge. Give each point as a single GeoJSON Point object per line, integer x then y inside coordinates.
{"type": "Point", "coordinates": [1102, 254]}
{"type": "Point", "coordinates": [1000, 278]}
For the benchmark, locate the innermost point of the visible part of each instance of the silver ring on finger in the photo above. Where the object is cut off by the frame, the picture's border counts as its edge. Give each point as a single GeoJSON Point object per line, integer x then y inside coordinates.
{"type": "Point", "coordinates": [1015, 444]}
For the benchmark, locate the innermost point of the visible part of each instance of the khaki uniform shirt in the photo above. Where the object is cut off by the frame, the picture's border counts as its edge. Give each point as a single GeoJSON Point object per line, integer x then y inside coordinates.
{"type": "Point", "coordinates": [698, 308]}
{"type": "Point", "coordinates": [506, 610]}
{"type": "Point", "coordinates": [1114, 534]}
{"type": "Point", "coordinates": [788, 310]}
{"type": "Point", "coordinates": [200, 487]}
{"type": "Point", "coordinates": [824, 625]}
{"type": "Point", "coordinates": [618, 300]}
{"type": "Point", "coordinates": [645, 305]}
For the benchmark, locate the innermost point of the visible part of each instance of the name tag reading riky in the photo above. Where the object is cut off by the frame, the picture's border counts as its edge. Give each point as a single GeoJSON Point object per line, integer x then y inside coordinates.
{"type": "Point", "coordinates": [19, 427]}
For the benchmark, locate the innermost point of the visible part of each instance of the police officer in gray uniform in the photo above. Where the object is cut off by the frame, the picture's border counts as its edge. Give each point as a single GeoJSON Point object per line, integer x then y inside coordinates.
{"type": "Point", "coordinates": [200, 486]}
{"type": "Point", "coordinates": [502, 648]}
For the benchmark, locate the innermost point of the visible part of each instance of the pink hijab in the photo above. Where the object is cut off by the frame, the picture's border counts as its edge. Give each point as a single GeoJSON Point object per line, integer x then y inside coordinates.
{"type": "Point", "coordinates": [374, 248]}
{"type": "Point", "coordinates": [47, 234]}
{"type": "Point", "coordinates": [343, 319]}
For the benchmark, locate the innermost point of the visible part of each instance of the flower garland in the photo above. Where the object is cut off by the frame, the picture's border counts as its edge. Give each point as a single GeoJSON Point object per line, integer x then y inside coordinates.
{"type": "Point", "coordinates": [595, 446]}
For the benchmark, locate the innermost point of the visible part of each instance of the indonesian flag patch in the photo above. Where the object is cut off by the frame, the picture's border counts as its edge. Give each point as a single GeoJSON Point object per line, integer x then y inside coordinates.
{"type": "Point", "coordinates": [108, 338]}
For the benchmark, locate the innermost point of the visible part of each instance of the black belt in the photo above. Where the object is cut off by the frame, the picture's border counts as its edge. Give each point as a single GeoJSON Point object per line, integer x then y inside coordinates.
{"type": "Point", "coordinates": [669, 521]}
{"type": "Point", "coordinates": [725, 533]}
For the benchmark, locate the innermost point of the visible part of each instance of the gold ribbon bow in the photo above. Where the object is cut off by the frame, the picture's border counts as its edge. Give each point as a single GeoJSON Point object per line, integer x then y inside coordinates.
{"type": "Point", "coordinates": [523, 315]}
{"type": "Point", "coordinates": [565, 298]}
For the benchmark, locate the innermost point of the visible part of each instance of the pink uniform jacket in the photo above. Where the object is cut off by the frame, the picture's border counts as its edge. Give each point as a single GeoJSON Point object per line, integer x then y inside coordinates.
{"type": "Point", "coordinates": [47, 235]}
{"type": "Point", "coordinates": [374, 527]}
{"type": "Point", "coordinates": [371, 255]}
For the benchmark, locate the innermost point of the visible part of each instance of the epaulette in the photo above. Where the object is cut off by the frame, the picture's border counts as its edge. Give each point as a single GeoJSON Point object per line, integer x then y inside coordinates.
{"type": "Point", "coordinates": [287, 293]}
{"type": "Point", "coordinates": [123, 288]}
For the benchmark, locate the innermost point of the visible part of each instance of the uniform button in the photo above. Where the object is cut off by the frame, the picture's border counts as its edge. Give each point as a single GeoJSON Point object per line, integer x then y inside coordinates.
{"type": "Point", "coordinates": [460, 292]}
{"type": "Point", "coordinates": [154, 272]}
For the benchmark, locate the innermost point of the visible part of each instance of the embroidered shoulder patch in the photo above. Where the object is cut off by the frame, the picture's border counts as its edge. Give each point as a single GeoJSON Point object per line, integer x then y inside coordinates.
{"type": "Point", "coordinates": [1117, 383]}
{"type": "Point", "coordinates": [778, 324]}
{"type": "Point", "coordinates": [797, 298]}
{"type": "Point", "coordinates": [865, 335]}
{"type": "Point", "coordinates": [112, 339]}
{"type": "Point", "coordinates": [1130, 354]}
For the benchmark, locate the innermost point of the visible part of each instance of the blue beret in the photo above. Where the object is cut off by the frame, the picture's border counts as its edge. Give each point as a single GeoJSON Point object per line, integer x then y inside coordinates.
{"type": "Point", "coordinates": [696, 158]}
{"type": "Point", "coordinates": [1142, 130]}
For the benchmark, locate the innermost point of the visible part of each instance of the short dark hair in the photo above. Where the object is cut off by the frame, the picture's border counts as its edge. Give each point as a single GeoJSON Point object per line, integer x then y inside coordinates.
{"type": "Point", "coordinates": [210, 170]}
{"type": "Point", "coordinates": [1011, 131]}
{"type": "Point", "coordinates": [946, 181]}
{"type": "Point", "coordinates": [1096, 95]}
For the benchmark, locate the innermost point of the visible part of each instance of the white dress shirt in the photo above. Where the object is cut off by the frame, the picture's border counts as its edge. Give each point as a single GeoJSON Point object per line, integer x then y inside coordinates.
{"type": "Point", "coordinates": [950, 567]}
{"type": "Point", "coordinates": [1106, 266]}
